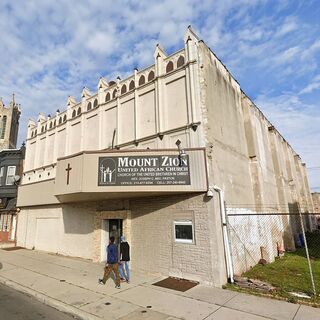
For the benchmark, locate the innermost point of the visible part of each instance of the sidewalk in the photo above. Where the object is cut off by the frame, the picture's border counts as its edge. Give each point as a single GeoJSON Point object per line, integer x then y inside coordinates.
{"type": "Point", "coordinates": [71, 285]}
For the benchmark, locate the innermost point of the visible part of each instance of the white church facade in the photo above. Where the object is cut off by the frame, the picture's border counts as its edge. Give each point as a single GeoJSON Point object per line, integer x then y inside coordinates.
{"type": "Point", "coordinates": [155, 157]}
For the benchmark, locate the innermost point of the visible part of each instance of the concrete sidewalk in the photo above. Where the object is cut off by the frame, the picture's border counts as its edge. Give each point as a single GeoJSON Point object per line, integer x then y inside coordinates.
{"type": "Point", "coordinates": [71, 285]}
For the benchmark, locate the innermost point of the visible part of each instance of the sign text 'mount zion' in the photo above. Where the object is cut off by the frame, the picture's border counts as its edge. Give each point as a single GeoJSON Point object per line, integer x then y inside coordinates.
{"type": "Point", "coordinates": [143, 170]}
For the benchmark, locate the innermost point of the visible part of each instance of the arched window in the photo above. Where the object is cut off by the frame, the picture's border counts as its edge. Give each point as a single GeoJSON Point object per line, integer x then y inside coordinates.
{"type": "Point", "coordinates": [142, 80]}
{"type": "Point", "coordinates": [151, 76]}
{"type": "Point", "coordinates": [95, 103]}
{"type": "Point", "coordinates": [65, 118]}
{"type": "Point", "coordinates": [89, 106]}
{"type": "Point", "coordinates": [131, 85]}
{"type": "Point", "coordinates": [42, 129]}
{"type": "Point", "coordinates": [123, 89]}
{"type": "Point", "coordinates": [32, 133]}
{"type": "Point", "coordinates": [108, 97]}
{"type": "Point", "coordinates": [50, 125]}
{"type": "Point", "coordinates": [180, 62]}
{"type": "Point", "coordinates": [45, 128]}
{"type": "Point", "coordinates": [114, 94]}
{"type": "Point", "coordinates": [4, 124]}
{"type": "Point", "coordinates": [73, 113]}
{"type": "Point", "coordinates": [54, 123]}
{"type": "Point", "coordinates": [35, 133]}
{"type": "Point", "coordinates": [169, 67]}
{"type": "Point", "coordinates": [60, 120]}
{"type": "Point", "coordinates": [79, 111]}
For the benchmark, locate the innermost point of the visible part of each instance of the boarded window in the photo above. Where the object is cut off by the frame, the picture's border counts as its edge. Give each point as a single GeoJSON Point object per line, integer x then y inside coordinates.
{"type": "Point", "coordinates": [169, 67]}
{"type": "Point", "coordinates": [142, 80]}
{"type": "Point", "coordinates": [131, 85]}
{"type": "Point", "coordinates": [151, 76]}
{"type": "Point", "coordinates": [123, 89]}
{"type": "Point", "coordinates": [180, 62]}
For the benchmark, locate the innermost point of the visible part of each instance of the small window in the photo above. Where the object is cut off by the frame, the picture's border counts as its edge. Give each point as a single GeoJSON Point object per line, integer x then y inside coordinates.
{"type": "Point", "coordinates": [32, 134]}
{"type": "Point", "coordinates": [180, 62]}
{"type": "Point", "coordinates": [108, 97]}
{"type": "Point", "coordinates": [42, 129]}
{"type": "Point", "coordinates": [89, 106]}
{"type": "Point", "coordinates": [124, 89]}
{"type": "Point", "coordinates": [11, 171]}
{"type": "Point", "coordinates": [1, 175]}
{"type": "Point", "coordinates": [142, 80]}
{"type": "Point", "coordinates": [54, 123]}
{"type": "Point", "coordinates": [50, 125]}
{"type": "Point", "coordinates": [95, 103]}
{"type": "Point", "coordinates": [131, 85]}
{"type": "Point", "coordinates": [151, 76]}
{"type": "Point", "coordinates": [183, 231]}
{"type": "Point", "coordinates": [169, 67]}
{"type": "Point", "coordinates": [114, 94]}
{"type": "Point", "coordinates": [79, 111]}
{"type": "Point", "coordinates": [64, 118]}
{"type": "Point", "coordinates": [73, 113]}
{"type": "Point", "coordinates": [60, 120]}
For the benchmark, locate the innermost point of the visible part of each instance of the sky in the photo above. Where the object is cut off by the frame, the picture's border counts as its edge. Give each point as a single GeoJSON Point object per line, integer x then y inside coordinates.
{"type": "Point", "coordinates": [52, 49]}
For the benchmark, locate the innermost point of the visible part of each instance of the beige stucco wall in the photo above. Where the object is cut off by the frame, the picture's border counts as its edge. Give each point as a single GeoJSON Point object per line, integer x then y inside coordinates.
{"type": "Point", "coordinates": [65, 229]}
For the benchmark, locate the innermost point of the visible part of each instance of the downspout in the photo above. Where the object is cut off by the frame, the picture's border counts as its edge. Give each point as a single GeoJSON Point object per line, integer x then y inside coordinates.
{"type": "Point", "coordinates": [225, 235]}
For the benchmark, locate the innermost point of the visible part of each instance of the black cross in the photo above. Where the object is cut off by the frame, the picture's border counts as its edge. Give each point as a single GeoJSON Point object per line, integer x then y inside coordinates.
{"type": "Point", "coordinates": [68, 172]}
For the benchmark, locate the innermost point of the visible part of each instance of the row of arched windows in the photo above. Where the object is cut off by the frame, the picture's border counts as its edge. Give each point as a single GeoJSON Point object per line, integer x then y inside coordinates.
{"type": "Point", "coordinates": [51, 125]}
{"type": "Point", "coordinates": [170, 66]}
{"type": "Point", "coordinates": [123, 90]}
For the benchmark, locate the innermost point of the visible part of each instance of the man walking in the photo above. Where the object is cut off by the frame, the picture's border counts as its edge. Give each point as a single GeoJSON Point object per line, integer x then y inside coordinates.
{"type": "Point", "coordinates": [124, 259]}
{"type": "Point", "coordinates": [112, 263]}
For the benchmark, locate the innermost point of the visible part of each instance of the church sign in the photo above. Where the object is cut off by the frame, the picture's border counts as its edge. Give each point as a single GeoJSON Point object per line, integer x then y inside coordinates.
{"type": "Point", "coordinates": [143, 170]}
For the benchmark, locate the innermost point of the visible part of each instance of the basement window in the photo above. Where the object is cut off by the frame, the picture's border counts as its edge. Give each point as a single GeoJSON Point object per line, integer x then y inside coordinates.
{"type": "Point", "coordinates": [184, 231]}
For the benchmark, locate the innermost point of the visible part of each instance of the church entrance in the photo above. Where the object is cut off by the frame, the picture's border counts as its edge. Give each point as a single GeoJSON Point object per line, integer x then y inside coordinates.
{"type": "Point", "coordinates": [109, 228]}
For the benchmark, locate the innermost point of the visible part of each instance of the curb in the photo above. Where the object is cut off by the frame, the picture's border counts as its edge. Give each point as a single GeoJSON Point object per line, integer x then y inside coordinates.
{"type": "Point", "coordinates": [56, 304]}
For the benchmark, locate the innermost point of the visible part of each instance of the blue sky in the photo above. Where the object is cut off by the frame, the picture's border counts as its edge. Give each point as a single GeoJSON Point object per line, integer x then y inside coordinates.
{"type": "Point", "coordinates": [51, 49]}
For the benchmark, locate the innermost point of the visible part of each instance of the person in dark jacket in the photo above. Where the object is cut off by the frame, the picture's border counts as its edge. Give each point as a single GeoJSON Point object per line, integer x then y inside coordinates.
{"type": "Point", "coordinates": [112, 263]}
{"type": "Point", "coordinates": [124, 259]}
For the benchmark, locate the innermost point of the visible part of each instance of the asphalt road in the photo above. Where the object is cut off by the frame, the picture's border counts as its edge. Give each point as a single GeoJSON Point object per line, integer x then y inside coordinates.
{"type": "Point", "coordinates": [15, 305]}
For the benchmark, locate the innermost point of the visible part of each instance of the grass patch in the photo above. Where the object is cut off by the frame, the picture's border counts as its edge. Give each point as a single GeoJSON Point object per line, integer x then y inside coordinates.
{"type": "Point", "coordinates": [291, 273]}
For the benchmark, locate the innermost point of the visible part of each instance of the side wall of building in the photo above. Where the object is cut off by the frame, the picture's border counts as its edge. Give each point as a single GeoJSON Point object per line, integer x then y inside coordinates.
{"type": "Point", "coordinates": [254, 165]}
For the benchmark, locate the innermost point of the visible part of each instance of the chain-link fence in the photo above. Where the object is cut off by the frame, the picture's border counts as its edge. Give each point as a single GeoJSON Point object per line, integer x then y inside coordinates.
{"type": "Point", "coordinates": [282, 249]}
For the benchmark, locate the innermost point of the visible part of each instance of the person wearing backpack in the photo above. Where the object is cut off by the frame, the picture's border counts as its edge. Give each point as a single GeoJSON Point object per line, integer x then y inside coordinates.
{"type": "Point", "coordinates": [112, 263]}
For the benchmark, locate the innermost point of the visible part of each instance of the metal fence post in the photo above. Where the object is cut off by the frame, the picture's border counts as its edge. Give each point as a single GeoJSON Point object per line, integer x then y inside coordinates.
{"type": "Point", "coordinates": [307, 253]}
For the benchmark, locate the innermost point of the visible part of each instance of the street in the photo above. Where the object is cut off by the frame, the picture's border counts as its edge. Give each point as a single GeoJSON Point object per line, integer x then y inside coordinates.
{"type": "Point", "coordinates": [18, 306]}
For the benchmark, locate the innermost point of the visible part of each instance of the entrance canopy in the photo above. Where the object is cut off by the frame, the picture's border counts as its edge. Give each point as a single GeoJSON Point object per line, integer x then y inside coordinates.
{"type": "Point", "coordinates": [124, 174]}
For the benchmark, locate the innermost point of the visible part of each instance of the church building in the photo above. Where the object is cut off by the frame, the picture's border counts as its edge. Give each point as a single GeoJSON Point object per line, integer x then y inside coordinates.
{"type": "Point", "coordinates": [157, 157]}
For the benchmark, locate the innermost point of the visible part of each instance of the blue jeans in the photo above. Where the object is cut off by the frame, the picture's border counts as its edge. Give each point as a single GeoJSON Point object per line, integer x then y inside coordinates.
{"type": "Point", "coordinates": [121, 270]}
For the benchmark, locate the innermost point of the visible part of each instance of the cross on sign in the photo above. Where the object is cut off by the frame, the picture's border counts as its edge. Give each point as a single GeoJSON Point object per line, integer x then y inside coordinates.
{"type": "Point", "coordinates": [68, 172]}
